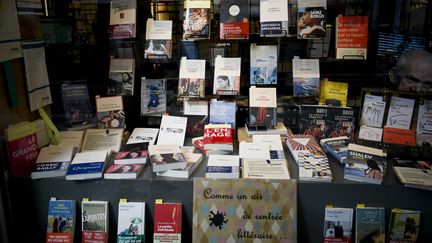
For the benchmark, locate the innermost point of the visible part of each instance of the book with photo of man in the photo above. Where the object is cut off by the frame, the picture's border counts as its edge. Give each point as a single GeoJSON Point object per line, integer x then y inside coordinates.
{"type": "Point", "coordinates": [135, 153]}
{"type": "Point", "coordinates": [158, 44]}
{"type": "Point", "coordinates": [153, 96]}
{"type": "Point", "coordinates": [234, 19]}
{"type": "Point", "coordinates": [338, 225]}
{"type": "Point", "coordinates": [123, 171]}
{"type": "Point", "coordinates": [196, 24]}
{"type": "Point", "coordinates": [191, 78]}
{"type": "Point", "coordinates": [121, 77]}
{"type": "Point", "coordinates": [311, 19]}
{"type": "Point", "coordinates": [227, 76]}
{"type": "Point", "coordinates": [166, 157]}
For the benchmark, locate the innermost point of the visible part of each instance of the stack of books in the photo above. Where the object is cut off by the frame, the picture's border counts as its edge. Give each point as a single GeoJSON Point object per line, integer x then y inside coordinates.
{"type": "Point", "coordinates": [218, 139]}
{"type": "Point", "coordinates": [223, 166]}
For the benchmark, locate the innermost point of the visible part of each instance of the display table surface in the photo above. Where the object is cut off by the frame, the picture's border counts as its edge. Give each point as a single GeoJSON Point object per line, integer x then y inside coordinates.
{"type": "Point", "coordinates": [29, 201]}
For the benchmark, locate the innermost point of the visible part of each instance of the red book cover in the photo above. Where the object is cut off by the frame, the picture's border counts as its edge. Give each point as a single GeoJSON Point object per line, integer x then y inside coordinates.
{"type": "Point", "coordinates": [216, 134]}
{"type": "Point", "coordinates": [94, 237]}
{"type": "Point", "coordinates": [234, 19]}
{"type": "Point", "coordinates": [59, 237]}
{"type": "Point", "coordinates": [167, 222]}
{"type": "Point", "coordinates": [399, 136]}
{"type": "Point", "coordinates": [22, 154]}
{"type": "Point", "coordinates": [199, 143]}
{"type": "Point", "coordinates": [351, 37]}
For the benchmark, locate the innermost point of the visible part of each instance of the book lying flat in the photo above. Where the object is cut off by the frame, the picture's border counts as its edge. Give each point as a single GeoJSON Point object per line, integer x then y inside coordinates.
{"type": "Point", "coordinates": [123, 171]}
{"type": "Point", "coordinates": [87, 165]}
{"type": "Point", "coordinates": [166, 157]}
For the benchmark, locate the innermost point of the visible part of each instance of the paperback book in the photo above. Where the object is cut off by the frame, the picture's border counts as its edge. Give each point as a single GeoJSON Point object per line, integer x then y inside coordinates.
{"type": "Point", "coordinates": [193, 161]}
{"type": "Point", "coordinates": [400, 113]}
{"type": "Point", "coordinates": [414, 173]}
{"type": "Point", "coordinates": [234, 19]}
{"type": "Point", "coordinates": [123, 171]}
{"type": "Point", "coordinates": [87, 165]}
{"type": "Point", "coordinates": [404, 225]}
{"type": "Point", "coordinates": [265, 169]}
{"type": "Point", "coordinates": [61, 221]}
{"type": "Point", "coordinates": [300, 143]}
{"type": "Point", "coordinates": [167, 223]}
{"type": "Point", "coordinates": [153, 96]}
{"type": "Point", "coordinates": [172, 130]}
{"type": "Point", "coordinates": [131, 222]}
{"type": "Point", "coordinates": [424, 123]}
{"type": "Point", "coordinates": [223, 166]}
{"type": "Point", "coordinates": [263, 66]}
{"type": "Point", "coordinates": [306, 77]}
{"type": "Point", "coordinates": [94, 221]}
{"type": "Point", "coordinates": [191, 78]}
{"type": "Point", "coordinates": [313, 119]}
{"type": "Point", "coordinates": [218, 137]}
{"type": "Point", "coordinates": [274, 143]}
{"type": "Point", "coordinates": [196, 24]}
{"type": "Point", "coordinates": [311, 19]}
{"type": "Point", "coordinates": [166, 157]}
{"type": "Point", "coordinates": [370, 225]}
{"type": "Point", "coordinates": [122, 22]}
{"type": "Point", "coordinates": [227, 76]}
{"type": "Point", "coordinates": [338, 225]}
{"type": "Point", "coordinates": [121, 77]}
{"type": "Point", "coordinates": [76, 104]}
{"type": "Point", "coordinates": [72, 138]}
{"type": "Point", "coordinates": [254, 150]}
{"type": "Point", "coordinates": [102, 139]}
{"type": "Point", "coordinates": [333, 94]}
{"type": "Point", "coordinates": [158, 43]}
{"type": "Point", "coordinates": [143, 135]}
{"type": "Point", "coordinates": [314, 166]}
{"type": "Point", "coordinates": [273, 18]}
{"type": "Point", "coordinates": [373, 111]}
{"type": "Point", "coordinates": [135, 153]}
{"type": "Point", "coordinates": [195, 125]}
{"type": "Point", "coordinates": [341, 121]}
{"type": "Point", "coordinates": [223, 112]}
{"type": "Point", "coordinates": [52, 161]}
{"type": "Point", "coordinates": [351, 37]}
{"type": "Point", "coordinates": [110, 112]}
{"type": "Point", "coordinates": [337, 146]}
{"type": "Point", "coordinates": [262, 107]}
{"type": "Point", "coordinates": [399, 136]}
{"type": "Point", "coordinates": [370, 133]}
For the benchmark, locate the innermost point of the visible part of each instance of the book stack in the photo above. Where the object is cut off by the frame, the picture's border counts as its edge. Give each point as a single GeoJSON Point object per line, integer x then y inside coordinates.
{"type": "Point", "coordinates": [223, 166]}
{"type": "Point", "coordinates": [414, 173]}
{"type": "Point", "coordinates": [53, 161]}
{"type": "Point", "coordinates": [193, 161]}
{"type": "Point", "coordinates": [218, 139]}
{"type": "Point", "coordinates": [87, 165]}
{"type": "Point", "coordinates": [279, 129]}
{"type": "Point", "coordinates": [166, 157]}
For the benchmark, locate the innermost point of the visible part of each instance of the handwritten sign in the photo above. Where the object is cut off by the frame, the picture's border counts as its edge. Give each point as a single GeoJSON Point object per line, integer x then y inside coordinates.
{"type": "Point", "coordinates": [400, 112]}
{"type": "Point", "coordinates": [247, 210]}
{"type": "Point", "coordinates": [373, 111]}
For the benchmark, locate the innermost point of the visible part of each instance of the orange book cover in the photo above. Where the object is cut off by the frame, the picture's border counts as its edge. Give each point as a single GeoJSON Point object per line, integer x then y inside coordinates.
{"type": "Point", "coordinates": [399, 136]}
{"type": "Point", "coordinates": [351, 37]}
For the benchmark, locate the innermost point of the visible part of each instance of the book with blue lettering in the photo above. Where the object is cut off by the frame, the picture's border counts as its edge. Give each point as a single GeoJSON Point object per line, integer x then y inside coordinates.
{"type": "Point", "coordinates": [53, 161]}
{"type": "Point", "coordinates": [61, 220]}
{"type": "Point", "coordinates": [222, 112]}
{"type": "Point", "coordinates": [223, 166]}
{"type": "Point", "coordinates": [365, 164]}
{"type": "Point", "coordinates": [87, 165]}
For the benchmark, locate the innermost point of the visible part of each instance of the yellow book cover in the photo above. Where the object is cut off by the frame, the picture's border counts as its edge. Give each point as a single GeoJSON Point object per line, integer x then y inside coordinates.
{"type": "Point", "coordinates": [334, 94]}
{"type": "Point", "coordinates": [20, 130]}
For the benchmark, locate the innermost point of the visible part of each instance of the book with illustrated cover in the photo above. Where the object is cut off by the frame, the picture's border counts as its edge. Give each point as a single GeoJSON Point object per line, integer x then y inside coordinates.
{"type": "Point", "coordinates": [172, 130]}
{"type": "Point", "coordinates": [61, 221]}
{"type": "Point", "coordinates": [337, 146]}
{"type": "Point", "coordinates": [53, 161]}
{"type": "Point", "coordinates": [404, 225]}
{"type": "Point", "coordinates": [123, 171]}
{"type": "Point", "coordinates": [131, 222]}
{"type": "Point", "coordinates": [338, 225]}
{"type": "Point", "coordinates": [263, 66]}
{"type": "Point", "coordinates": [223, 166]}
{"type": "Point", "coordinates": [135, 153]}
{"type": "Point", "coordinates": [95, 217]}
{"type": "Point", "coordinates": [191, 78]}
{"type": "Point", "coordinates": [166, 157]}
{"type": "Point", "coordinates": [400, 112]}
{"type": "Point", "coordinates": [87, 165]}
{"type": "Point", "coordinates": [110, 112]}
{"type": "Point", "coordinates": [298, 143]}
{"type": "Point", "coordinates": [223, 112]}
{"type": "Point", "coordinates": [196, 23]}
{"type": "Point", "coordinates": [311, 19]}
{"type": "Point", "coordinates": [351, 37]}
{"type": "Point", "coordinates": [370, 133]}
{"type": "Point", "coordinates": [313, 119]}
{"type": "Point", "coordinates": [234, 19]}
{"type": "Point", "coordinates": [143, 135]}
{"type": "Point", "coordinates": [334, 94]}
{"type": "Point", "coordinates": [158, 44]}
{"type": "Point", "coordinates": [273, 18]}
{"type": "Point", "coordinates": [121, 77]}
{"type": "Point", "coordinates": [262, 107]}
{"type": "Point", "coordinates": [153, 96]}
{"type": "Point", "coordinates": [167, 223]}
{"type": "Point", "coordinates": [122, 23]}
{"type": "Point", "coordinates": [76, 104]}
{"type": "Point", "coordinates": [399, 136]}
{"type": "Point", "coordinates": [227, 76]}
{"type": "Point", "coordinates": [314, 167]}
{"type": "Point", "coordinates": [193, 161]}
{"type": "Point", "coordinates": [373, 111]}
{"type": "Point", "coordinates": [370, 225]}
{"type": "Point", "coordinates": [306, 77]}
{"type": "Point", "coordinates": [341, 121]}
{"type": "Point", "coordinates": [102, 139]}
{"type": "Point", "coordinates": [424, 123]}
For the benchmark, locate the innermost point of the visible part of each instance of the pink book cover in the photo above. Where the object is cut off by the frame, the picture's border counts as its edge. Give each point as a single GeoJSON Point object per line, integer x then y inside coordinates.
{"type": "Point", "coordinates": [22, 154]}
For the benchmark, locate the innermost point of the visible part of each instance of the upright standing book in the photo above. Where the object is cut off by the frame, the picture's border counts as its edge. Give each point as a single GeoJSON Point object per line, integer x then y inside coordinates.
{"type": "Point", "coordinates": [94, 221]}
{"type": "Point", "coordinates": [400, 112]}
{"type": "Point", "coordinates": [227, 76]}
{"type": "Point", "coordinates": [158, 44]}
{"type": "Point", "coordinates": [424, 123]}
{"type": "Point", "coordinates": [263, 66]}
{"type": "Point", "coordinates": [306, 77]}
{"type": "Point", "coordinates": [131, 222]}
{"type": "Point", "coordinates": [196, 24]}
{"type": "Point", "coordinates": [262, 107]}
{"type": "Point", "coordinates": [338, 225]}
{"type": "Point", "coordinates": [370, 225]}
{"type": "Point", "coordinates": [234, 19]}
{"type": "Point", "coordinates": [121, 76]}
{"type": "Point", "coordinates": [122, 23]}
{"type": "Point", "coordinates": [167, 223]}
{"type": "Point", "coordinates": [340, 122]}
{"type": "Point", "coordinates": [191, 78]}
{"type": "Point", "coordinates": [313, 119]}
{"type": "Point", "coordinates": [110, 112]}
{"type": "Point", "coordinates": [76, 104]}
{"type": "Point", "coordinates": [223, 112]}
{"type": "Point", "coordinates": [373, 111]}
{"type": "Point", "coordinates": [351, 37]}
{"type": "Point", "coordinates": [404, 225]}
{"type": "Point", "coordinates": [334, 94]}
{"type": "Point", "coordinates": [311, 19]}
{"type": "Point", "coordinates": [61, 221]}
{"type": "Point", "coordinates": [273, 18]}
{"type": "Point", "coordinates": [153, 96]}
{"type": "Point", "coordinates": [172, 130]}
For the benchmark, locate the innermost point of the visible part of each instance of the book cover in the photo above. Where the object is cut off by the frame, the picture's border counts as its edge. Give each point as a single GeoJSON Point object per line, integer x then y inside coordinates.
{"type": "Point", "coordinates": [223, 166]}
{"type": "Point", "coordinates": [404, 225]}
{"type": "Point", "coordinates": [263, 66]}
{"type": "Point", "coordinates": [273, 18]}
{"type": "Point", "coordinates": [72, 138]}
{"type": "Point", "coordinates": [274, 143]}
{"type": "Point", "coordinates": [196, 23]}
{"type": "Point", "coordinates": [53, 161]}
{"type": "Point", "coordinates": [370, 133]}
{"type": "Point", "coordinates": [172, 130]}
{"type": "Point", "coordinates": [194, 107]}
{"type": "Point", "coordinates": [153, 96]}
{"type": "Point", "coordinates": [131, 222]}
{"type": "Point", "coordinates": [193, 161]}
{"type": "Point", "coordinates": [370, 225]}
{"type": "Point", "coordinates": [337, 146]}
{"type": "Point", "coordinates": [306, 77]}
{"type": "Point", "coordinates": [87, 165]}
{"type": "Point", "coordinates": [365, 164]}
{"type": "Point", "coordinates": [102, 139]}
{"type": "Point", "coordinates": [400, 112]}
{"type": "Point", "coordinates": [414, 173]}
{"type": "Point", "coordinates": [198, 142]}
{"type": "Point", "coordinates": [265, 169]}
{"type": "Point", "coordinates": [340, 122]}
{"type": "Point", "coordinates": [424, 121]}
{"type": "Point", "coordinates": [313, 119]}
{"type": "Point", "coordinates": [166, 156]}
{"type": "Point", "coordinates": [135, 153]}
{"type": "Point", "coordinates": [351, 37]}
{"type": "Point", "coordinates": [143, 135]}
{"type": "Point", "coordinates": [158, 43]}
{"type": "Point", "coordinates": [121, 77]}
{"type": "Point", "coordinates": [338, 225]}
{"type": "Point", "coordinates": [219, 136]}
{"type": "Point", "coordinates": [123, 171]}
{"type": "Point", "coordinates": [262, 107]}
{"type": "Point", "coordinates": [314, 167]}
{"type": "Point", "coordinates": [76, 104]}
{"type": "Point", "coordinates": [373, 111]}
{"type": "Point", "coordinates": [333, 94]}
{"type": "Point", "coordinates": [122, 23]}
{"type": "Point", "coordinates": [234, 19]}
{"type": "Point", "coordinates": [61, 221]}
{"type": "Point", "coordinates": [227, 76]}
{"type": "Point", "coordinates": [195, 125]}
{"type": "Point", "coordinates": [223, 112]}
{"type": "Point", "coordinates": [191, 78]}
{"type": "Point", "coordinates": [167, 223]}
{"type": "Point", "coordinates": [301, 143]}
{"type": "Point", "coordinates": [311, 19]}
{"type": "Point", "coordinates": [94, 221]}
{"type": "Point", "coordinates": [109, 112]}
{"type": "Point", "coordinates": [254, 150]}
{"type": "Point", "coordinates": [399, 136]}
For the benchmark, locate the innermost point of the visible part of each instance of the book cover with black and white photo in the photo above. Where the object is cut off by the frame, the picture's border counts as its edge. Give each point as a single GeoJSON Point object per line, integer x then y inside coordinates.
{"type": "Point", "coordinates": [338, 223]}
{"type": "Point", "coordinates": [227, 76]}
{"type": "Point", "coordinates": [95, 218]}
{"type": "Point", "coordinates": [191, 78]}
{"type": "Point", "coordinates": [122, 22]}
{"type": "Point", "coordinates": [196, 23]}
{"type": "Point", "coordinates": [158, 44]}
{"type": "Point", "coordinates": [143, 135]}
{"type": "Point", "coordinates": [273, 18]}
{"type": "Point", "coordinates": [172, 130]}
{"type": "Point", "coordinates": [153, 97]}
{"type": "Point", "coordinates": [311, 19]}
{"type": "Point", "coordinates": [234, 19]}
{"type": "Point", "coordinates": [121, 77]}
{"type": "Point", "coordinates": [166, 157]}
{"type": "Point", "coordinates": [193, 161]}
{"type": "Point", "coordinates": [263, 66]}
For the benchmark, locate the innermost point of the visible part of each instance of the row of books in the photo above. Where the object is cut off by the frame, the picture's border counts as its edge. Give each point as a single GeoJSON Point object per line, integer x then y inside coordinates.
{"type": "Point", "coordinates": [95, 221]}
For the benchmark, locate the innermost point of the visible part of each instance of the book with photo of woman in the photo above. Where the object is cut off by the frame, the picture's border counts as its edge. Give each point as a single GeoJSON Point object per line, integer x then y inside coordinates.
{"type": "Point", "coordinates": [123, 171]}
{"type": "Point", "coordinates": [135, 153]}
{"type": "Point", "coordinates": [227, 76]}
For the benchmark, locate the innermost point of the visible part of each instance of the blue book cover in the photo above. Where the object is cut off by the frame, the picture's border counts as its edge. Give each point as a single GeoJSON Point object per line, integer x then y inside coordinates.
{"type": "Point", "coordinates": [76, 104]}
{"type": "Point", "coordinates": [222, 112]}
{"type": "Point", "coordinates": [85, 168]}
{"type": "Point", "coordinates": [61, 217]}
{"type": "Point", "coordinates": [263, 67]}
{"type": "Point", "coordinates": [370, 225]}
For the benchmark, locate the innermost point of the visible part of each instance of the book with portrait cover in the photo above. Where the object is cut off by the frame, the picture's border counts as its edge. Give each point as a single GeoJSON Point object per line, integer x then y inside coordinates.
{"type": "Point", "coordinates": [167, 223]}
{"type": "Point", "coordinates": [95, 217]}
{"type": "Point", "coordinates": [123, 171]}
{"type": "Point", "coordinates": [153, 96]}
{"type": "Point", "coordinates": [131, 222]}
{"type": "Point", "coordinates": [311, 19]}
{"type": "Point", "coordinates": [158, 43]}
{"type": "Point", "coordinates": [193, 161]}
{"type": "Point", "coordinates": [262, 107]}
{"type": "Point", "coordinates": [135, 153]}
{"type": "Point", "coordinates": [76, 104]}
{"type": "Point", "coordinates": [234, 19]}
{"type": "Point", "coordinates": [166, 157]}
{"type": "Point", "coordinates": [334, 94]}
{"type": "Point", "coordinates": [306, 77]}
{"type": "Point", "coordinates": [313, 119]}
{"type": "Point", "coordinates": [273, 18]}
{"type": "Point", "coordinates": [404, 225]}
{"type": "Point", "coordinates": [122, 23]}
{"type": "Point", "coordinates": [121, 77]}
{"type": "Point", "coordinates": [191, 78]}
{"type": "Point", "coordinates": [263, 66]}
{"type": "Point", "coordinates": [61, 221]}
{"type": "Point", "coordinates": [370, 224]}
{"type": "Point", "coordinates": [196, 23]}
{"type": "Point", "coordinates": [338, 225]}
{"type": "Point", "coordinates": [340, 121]}
{"type": "Point", "coordinates": [227, 76]}
{"type": "Point", "coordinates": [110, 112]}
{"type": "Point", "coordinates": [351, 37]}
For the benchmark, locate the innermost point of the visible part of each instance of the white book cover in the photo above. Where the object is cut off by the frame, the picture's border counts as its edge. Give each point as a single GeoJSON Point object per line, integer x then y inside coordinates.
{"type": "Point", "coordinates": [158, 39]}
{"type": "Point", "coordinates": [223, 166]}
{"type": "Point", "coordinates": [10, 46]}
{"type": "Point", "coordinates": [254, 150]}
{"type": "Point", "coordinates": [373, 111]}
{"type": "Point", "coordinates": [414, 176]}
{"type": "Point", "coordinates": [400, 112]}
{"type": "Point", "coordinates": [193, 161]}
{"type": "Point", "coordinates": [262, 97]}
{"type": "Point", "coordinates": [306, 77]}
{"type": "Point", "coordinates": [123, 19]}
{"type": "Point", "coordinates": [102, 139]}
{"type": "Point", "coordinates": [266, 169]}
{"type": "Point", "coordinates": [424, 121]}
{"type": "Point", "coordinates": [223, 160]}
{"type": "Point", "coordinates": [172, 130]}
{"type": "Point", "coordinates": [227, 76]}
{"type": "Point", "coordinates": [274, 18]}
{"type": "Point", "coordinates": [338, 224]}
{"type": "Point", "coordinates": [263, 66]}
{"type": "Point", "coordinates": [192, 78]}
{"type": "Point", "coordinates": [166, 156]}
{"type": "Point", "coordinates": [131, 222]}
{"type": "Point", "coordinates": [274, 141]}
{"type": "Point", "coordinates": [121, 75]}
{"type": "Point", "coordinates": [74, 138]}
{"type": "Point", "coordinates": [370, 133]}
{"type": "Point", "coordinates": [143, 135]}
{"type": "Point", "coordinates": [52, 161]}
{"type": "Point", "coordinates": [195, 107]}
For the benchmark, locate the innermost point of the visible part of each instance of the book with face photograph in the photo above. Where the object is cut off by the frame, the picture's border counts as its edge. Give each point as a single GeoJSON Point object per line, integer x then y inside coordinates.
{"type": "Point", "coordinates": [227, 76]}
{"type": "Point", "coordinates": [158, 44]}
{"type": "Point", "coordinates": [166, 157]}
{"type": "Point", "coordinates": [121, 77]}
{"type": "Point", "coordinates": [311, 19]}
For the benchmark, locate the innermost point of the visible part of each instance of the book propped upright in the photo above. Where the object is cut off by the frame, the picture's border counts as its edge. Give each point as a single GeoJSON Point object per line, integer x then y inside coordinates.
{"type": "Point", "coordinates": [158, 44]}
{"type": "Point", "coordinates": [263, 66]}
{"type": "Point", "coordinates": [94, 221]}
{"type": "Point", "coordinates": [351, 37]}
{"type": "Point", "coordinates": [121, 76]}
{"type": "Point", "coordinates": [262, 107]}
{"type": "Point", "coordinates": [400, 113]}
{"type": "Point", "coordinates": [191, 78]}
{"type": "Point", "coordinates": [131, 222]}
{"type": "Point", "coordinates": [153, 97]}
{"type": "Point", "coordinates": [273, 18]}
{"type": "Point", "coordinates": [306, 77]}
{"type": "Point", "coordinates": [373, 111]}
{"type": "Point", "coordinates": [340, 121]}
{"type": "Point", "coordinates": [234, 19]}
{"type": "Point", "coordinates": [61, 221]}
{"type": "Point", "coordinates": [311, 19]}
{"type": "Point", "coordinates": [110, 113]}
{"type": "Point", "coordinates": [167, 222]}
{"type": "Point", "coordinates": [122, 23]}
{"type": "Point", "coordinates": [172, 130]}
{"type": "Point", "coordinates": [196, 24]}
{"type": "Point", "coordinates": [313, 119]}
{"type": "Point", "coordinates": [223, 112]}
{"type": "Point", "coordinates": [338, 225]}
{"type": "Point", "coordinates": [76, 105]}
{"type": "Point", "coordinates": [227, 76]}
{"type": "Point", "coordinates": [404, 225]}
{"type": "Point", "coordinates": [334, 94]}
{"type": "Point", "coordinates": [370, 224]}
